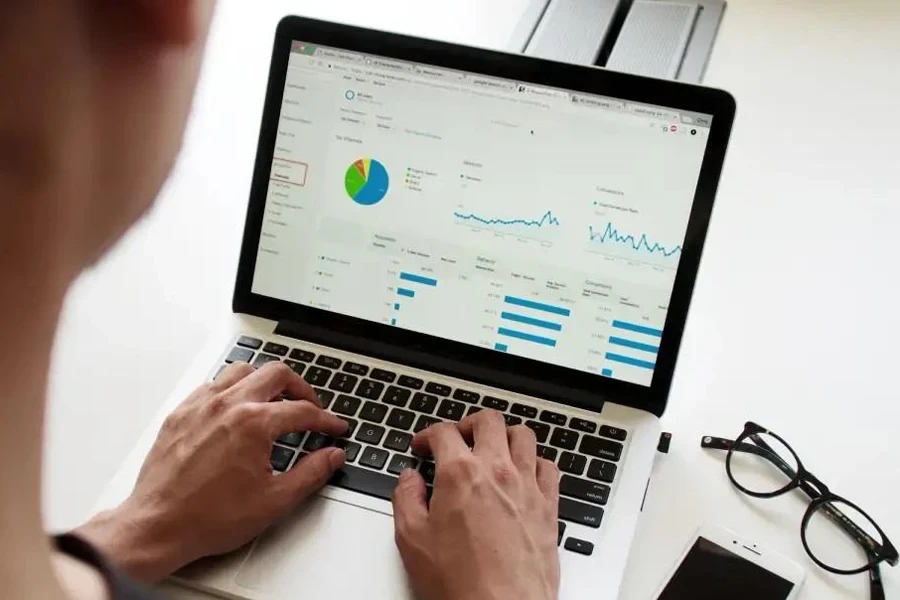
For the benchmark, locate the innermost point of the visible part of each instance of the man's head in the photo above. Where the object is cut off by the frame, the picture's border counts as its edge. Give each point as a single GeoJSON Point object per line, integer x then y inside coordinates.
{"type": "Point", "coordinates": [95, 97]}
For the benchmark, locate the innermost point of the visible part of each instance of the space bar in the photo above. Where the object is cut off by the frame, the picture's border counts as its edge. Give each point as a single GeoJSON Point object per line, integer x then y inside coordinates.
{"type": "Point", "coordinates": [364, 481]}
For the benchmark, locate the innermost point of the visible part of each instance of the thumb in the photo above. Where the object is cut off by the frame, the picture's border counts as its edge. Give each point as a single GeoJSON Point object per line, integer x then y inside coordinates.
{"type": "Point", "coordinates": [410, 508]}
{"type": "Point", "coordinates": [311, 473]}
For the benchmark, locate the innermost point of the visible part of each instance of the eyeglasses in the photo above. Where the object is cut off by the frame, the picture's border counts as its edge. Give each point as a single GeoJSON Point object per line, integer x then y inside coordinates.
{"type": "Point", "coordinates": [838, 535]}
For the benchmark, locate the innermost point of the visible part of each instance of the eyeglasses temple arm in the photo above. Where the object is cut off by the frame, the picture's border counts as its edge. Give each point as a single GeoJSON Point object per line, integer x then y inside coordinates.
{"type": "Point", "coordinates": [876, 587]}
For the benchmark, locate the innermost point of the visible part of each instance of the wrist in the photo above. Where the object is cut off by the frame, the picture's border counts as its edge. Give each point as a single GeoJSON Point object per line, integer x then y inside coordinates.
{"type": "Point", "coordinates": [136, 540]}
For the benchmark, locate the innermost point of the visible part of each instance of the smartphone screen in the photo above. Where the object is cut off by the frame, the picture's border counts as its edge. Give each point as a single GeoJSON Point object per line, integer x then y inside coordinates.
{"type": "Point", "coordinates": [711, 572]}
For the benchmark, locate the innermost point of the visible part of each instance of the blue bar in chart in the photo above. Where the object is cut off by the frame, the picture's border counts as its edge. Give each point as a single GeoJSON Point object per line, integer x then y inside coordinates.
{"type": "Point", "coordinates": [396, 306]}
{"type": "Point", "coordinates": [501, 347]}
{"type": "Point", "coordinates": [606, 372]}
{"type": "Point", "coordinates": [556, 310]}
{"type": "Point", "coordinates": [634, 345]}
{"type": "Point", "coordinates": [627, 360]}
{"type": "Point", "coordinates": [528, 337]}
{"type": "Point", "coordinates": [637, 328]}
{"type": "Point", "coordinates": [406, 292]}
{"type": "Point", "coordinates": [418, 278]}
{"type": "Point", "coordinates": [530, 321]}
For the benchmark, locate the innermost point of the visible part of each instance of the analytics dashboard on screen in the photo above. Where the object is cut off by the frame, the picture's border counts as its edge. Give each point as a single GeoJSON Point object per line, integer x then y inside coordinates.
{"type": "Point", "coordinates": [530, 220]}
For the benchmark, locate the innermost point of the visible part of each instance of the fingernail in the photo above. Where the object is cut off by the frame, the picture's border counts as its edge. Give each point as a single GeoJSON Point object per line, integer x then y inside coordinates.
{"type": "Point", "coordinates": [405, 474]}
{"type": "Point", "coordinates": [336, 458]}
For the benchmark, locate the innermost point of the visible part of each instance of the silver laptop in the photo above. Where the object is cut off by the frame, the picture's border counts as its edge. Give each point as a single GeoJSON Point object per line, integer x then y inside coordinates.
{"type": "Point", "coordinates": [434, 230]}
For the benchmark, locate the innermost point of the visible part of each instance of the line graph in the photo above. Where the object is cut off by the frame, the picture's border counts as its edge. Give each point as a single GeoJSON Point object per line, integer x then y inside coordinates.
{"type": "Point", "coordinates": [640, 243]}
{"type": "Point", "coordinates": [548, 219]}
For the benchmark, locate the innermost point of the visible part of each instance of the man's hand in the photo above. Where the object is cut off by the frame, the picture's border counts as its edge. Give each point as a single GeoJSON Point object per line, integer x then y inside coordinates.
{"type": "Point", "coordinates": [490, 530]}
{"type": "Point", "coordinates": [207, 486]}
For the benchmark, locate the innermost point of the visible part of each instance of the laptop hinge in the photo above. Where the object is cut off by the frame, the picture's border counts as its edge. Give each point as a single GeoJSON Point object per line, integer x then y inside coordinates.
{"type": "Point", "coordinates": [416, 358]}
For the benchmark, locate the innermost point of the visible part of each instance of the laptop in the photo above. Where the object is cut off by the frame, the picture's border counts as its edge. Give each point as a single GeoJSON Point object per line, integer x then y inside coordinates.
{"type": "Point", "coordinates": [435, 230]}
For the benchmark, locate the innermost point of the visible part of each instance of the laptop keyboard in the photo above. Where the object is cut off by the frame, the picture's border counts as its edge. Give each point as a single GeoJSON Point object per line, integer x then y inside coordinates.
{"type": "Point", "coordinates": [384, 409]}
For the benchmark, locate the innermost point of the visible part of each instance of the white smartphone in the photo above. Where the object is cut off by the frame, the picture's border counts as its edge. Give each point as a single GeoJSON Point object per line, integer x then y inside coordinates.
{"type": "Point", "coordinates": [718, 564]}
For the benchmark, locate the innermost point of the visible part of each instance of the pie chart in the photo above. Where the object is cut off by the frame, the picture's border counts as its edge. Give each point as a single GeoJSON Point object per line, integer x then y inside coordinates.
{"type": "Point", "coordinates": [366, 181]}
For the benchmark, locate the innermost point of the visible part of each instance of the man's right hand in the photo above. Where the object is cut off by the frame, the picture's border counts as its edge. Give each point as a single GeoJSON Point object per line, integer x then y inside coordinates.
{"type": "Point", "coordinates": [490, 530]}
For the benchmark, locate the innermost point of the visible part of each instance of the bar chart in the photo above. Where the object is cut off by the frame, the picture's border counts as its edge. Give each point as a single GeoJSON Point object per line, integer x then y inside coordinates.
{"type": "Point", "coordinates": [410, 285]}
{"type": "Point", "coordinates": [633, 345]}
{"type": "Point", "coordinates": [531, 321]}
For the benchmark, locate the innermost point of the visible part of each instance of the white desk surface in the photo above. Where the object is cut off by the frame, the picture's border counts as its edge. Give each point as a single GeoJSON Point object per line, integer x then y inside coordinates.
{"type": "Point", "coordinates": [793, 322]}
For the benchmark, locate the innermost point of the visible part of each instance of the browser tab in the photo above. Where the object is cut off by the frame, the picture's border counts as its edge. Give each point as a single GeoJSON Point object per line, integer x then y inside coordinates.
{"type": "Point", "coordinates": [598, 102]}
{"type": "Point", "coordinates": [493, 84]}
{"type": "Point", "coordinates": [383, 63]}
{"type": "Point", "coordinates": [543, 92]}
{"type": "Point", "coordinates": [653, 112]}
{"type": "Point", "coordinates": [338, 55]}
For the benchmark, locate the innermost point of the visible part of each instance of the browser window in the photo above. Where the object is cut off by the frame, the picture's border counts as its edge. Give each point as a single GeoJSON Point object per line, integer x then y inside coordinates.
{"type": "Point", "coordinates": [525, 219]}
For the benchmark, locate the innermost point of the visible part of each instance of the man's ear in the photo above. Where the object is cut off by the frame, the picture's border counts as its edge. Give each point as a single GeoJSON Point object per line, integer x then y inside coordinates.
{"type": "Point", "coordinates": [178, 22]}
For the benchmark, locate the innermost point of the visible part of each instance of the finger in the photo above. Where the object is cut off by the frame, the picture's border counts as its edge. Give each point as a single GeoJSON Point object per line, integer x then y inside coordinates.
{"type": "Point", "coordinates": [231, 375]}
{"type": "Point", "coordinates": [310, 474]}
{"type": "Point", "coordinates": [548, 479]}
{"type": "Point", "coordinates": [274, 379]}
{"type": "Point", "coordinates": [487, 430]}
{"type": "Point", "coordinates": [441, 440]}
{"type": "Point", "coordinates": [410, 507]}
{"type": "Point", "coordinates": [283, 417]}
{"type": "Point", "coordinates": [523, 449]}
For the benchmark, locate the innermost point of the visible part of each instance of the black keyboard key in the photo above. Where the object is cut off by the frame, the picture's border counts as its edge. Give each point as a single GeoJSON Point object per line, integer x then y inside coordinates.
{"type": "Point", "coordinates": [370, 434]}
{"type": "Point", "coordinates": [317, 441]}
{"type": "Point", "coordinates": [561, 529]}
{"type": "Point", "coordinates": [328, 361]}
{"type": "Point", "coordinates": [564, 438]}
{"type": "Point", "coordinates": [249, 342]}
{"type": "Point", "coordinates": [355, 368]}
{"type": "Point", "coordinates": [373, 411]}
{"type": "Point", "coordinates": [473, 409]}
{"type": "Point", "coordinates": [547, 452]}
{"type": "Point", "coordinates": [495, 403]}
{"type": "Point", "coordinates": [373, 457]}
{"type": "Point", "coordinates": [427, 470]}
{"type": "Point", "coordinates": [317, 376]}
{"type": "Point", "coordinates": [397, 440]}
{"type": "Point", "coordinates": [583, 489]}
{"type": "Point", "coordinates": [382, 375]}
{"type": "Point", "coordinates": [529, 412]}
{"type": "Point", "coordinates": [346, 405]}
{"type": "Point", "coordinates": [401, 419]}
{"type": "Point", "coordinates": [276, 349]}
{"type": "Point", "coordinates": [511, 420]}
{"type": "Point", "coordinates": [579, 512]}
{"type": "Point", "coordinates": [437, 388]}
{"type": "Point", "coordinates": [541, 430]}
{"type": "Point", "coordinates": [601, 448]}
{"type": "Point", "coordinates": [351, 426]}
{"type": "Point", "coordinates": [602, 470]}
{"type": "Point", "coordinates": [296, 367]}
{"type": "Point", "coordinates": [325, 397]}
{"type": "Point", "coordinates": [239, 355]}
{"type": "Point", "coordinates": [572, 463]}
{"type": "Point", "coordinates": [410, 382]}
{"type": "Point", "coordinates": [613, 432]}
{"type": "Point", "coordinates": [396, 395]}
{"type": "Point", "coordinates": [262, 359]}
{"type": "Point", "coordinates": [424, 403]}
{"type": "Point", "coordinates": [281, 458]}
{"type": "Point", "coordinates": [466, 396]}
{"type": "Point", "coordinates": [399, 462]}
{"type": "Point", "coordinates": [451, 410]}
{"type": "Point", "coordinates": [582, 425]}
{"type": "Point", "coordinates": [370, 390]}
{"type": "Point", "coordinates": [351, 449]}
{"type": "Point", "coordinates": [302, 355]}
{"type": "Point", "coordinates": [548, 416]}
{"type": "Point", "coordinates": [579, 546]}
{"type": "Point", "coordinates": [424, 422]}
{"type": "Point", "coordinates": [364, 481]}
{"type": "Point", "coordinates": [343, 382]}
{"type": "Point", "coordinates": [291, 439]}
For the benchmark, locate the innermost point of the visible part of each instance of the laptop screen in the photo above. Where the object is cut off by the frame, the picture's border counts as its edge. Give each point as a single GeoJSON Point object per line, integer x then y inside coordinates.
{"type": "Point", "coordinates": [529, 220]}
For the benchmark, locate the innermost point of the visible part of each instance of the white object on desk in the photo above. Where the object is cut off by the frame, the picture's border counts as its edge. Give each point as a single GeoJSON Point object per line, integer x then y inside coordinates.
{"type": "Point", "coordinates": [793, 322]}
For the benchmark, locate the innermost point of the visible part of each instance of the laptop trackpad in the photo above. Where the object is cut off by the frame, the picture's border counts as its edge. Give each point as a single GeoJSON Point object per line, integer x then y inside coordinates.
{"type": "Point", "coordinates": [327, 546]}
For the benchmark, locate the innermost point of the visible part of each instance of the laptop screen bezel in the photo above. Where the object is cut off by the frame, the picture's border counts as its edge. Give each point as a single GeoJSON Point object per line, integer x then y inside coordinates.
{"type": "Point", "coordinates": [570, 386]}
